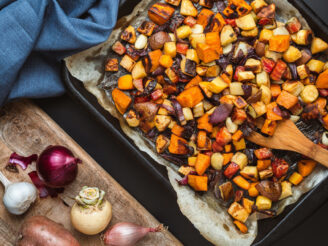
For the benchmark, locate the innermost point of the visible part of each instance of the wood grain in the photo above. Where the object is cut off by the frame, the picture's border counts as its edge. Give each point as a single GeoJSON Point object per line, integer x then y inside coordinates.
{"type": "Point", "coordinates": [26, 129]}
{"type": "Point", "coordinates": [288, 137]}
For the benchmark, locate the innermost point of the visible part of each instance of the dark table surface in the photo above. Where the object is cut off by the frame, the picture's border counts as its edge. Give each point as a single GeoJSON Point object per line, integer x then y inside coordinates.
{"type": "Point", "coordinates": [120, 164]}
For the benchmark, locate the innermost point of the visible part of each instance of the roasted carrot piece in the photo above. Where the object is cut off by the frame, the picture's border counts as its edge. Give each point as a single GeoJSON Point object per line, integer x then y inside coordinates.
{"type": "Point", "coordinates": [241, 226]}
{"type": "Point", "coordinates": [178, 145]}
{"type": "Point", "coordinates": [252, 191]}
{"type": "Point", "coordinates": [241, 182]}
{"type": "Point", "coordinates": [202, 163]}
{"type": "Point", "coordinates": [279, 43]}
{"type": "Point", "coordinates": [121, 100]}
{"type": "Point", "coordinates": [275, 90]}
{"type": "Point", "coordinates": [271, 109]}
{"type": "Point", "coordinates": [269, 127]}
{"type": "Point", "coordinates": [190, 97]}
{"type": "Point", "coordinates": [198, 183]}
{"type": "Point", "coordinates": [201, 139]}
{"type": "Point", "coordinates": [305, 167]}
{"type": "Point", "coordinates": [286, 99]}
{"type": "Point", "coordinates": [177, 130]}
{"type": "Point", "coordinates": [204, 124]}
{"type": "Point", "coordinates": [227, 148]}
{"type": "Point", "coordinates": [195, 81]}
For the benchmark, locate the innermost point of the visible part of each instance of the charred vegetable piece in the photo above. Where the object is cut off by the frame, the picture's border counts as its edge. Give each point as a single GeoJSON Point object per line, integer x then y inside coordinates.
{"type": "Point", "coordinates": [111, 65]}
{"type": "Point", "coordinates": [160, 13]}
{"type": "Point", "coordinates": [129, 35]}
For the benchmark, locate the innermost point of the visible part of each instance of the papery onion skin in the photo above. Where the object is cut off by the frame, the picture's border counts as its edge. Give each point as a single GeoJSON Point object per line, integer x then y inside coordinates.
{"type": "Point", "coordinates": [127, 234]}
{"type": "Point", "coordinates": [57, 166]}
{"type": "Point", "coordinates": [22, 161]}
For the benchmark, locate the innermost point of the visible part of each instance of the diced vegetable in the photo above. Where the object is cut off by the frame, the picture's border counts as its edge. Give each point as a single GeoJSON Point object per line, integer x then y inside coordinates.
{"type": "Point", "coordinates": [250, 172]}
{"type": "Point", "coordinates": [263, 203]}
{"type": "Point", "coordinates": [252, 191]}
{"type": "Point", "coordinates": [238, 212]}
{"type": "Point", "coordinates": [202, 163]}
{"type": "Point", "coordinates": [241, 226]}
{"type": "Point", "coordinates": [178, 145]}
{"type": "Point", "coordinates": [198, 183]}
{"type": "Point", "coordinates": [241, 182]}
{"type": "Point", "coordinates": [295, 178]}
{"type": "Point", "coordinates": [190, 97]}
{"type": "Point", "coordinates": [121, 100]}
{"type": "Point", "coordinates": [160, 13]}
{"type": "Point", "coordinates": [287, 100]}
{"type": "Point", "coordinates": [286, 190]}
{"type": "Point", "coordinates": [305, 167]}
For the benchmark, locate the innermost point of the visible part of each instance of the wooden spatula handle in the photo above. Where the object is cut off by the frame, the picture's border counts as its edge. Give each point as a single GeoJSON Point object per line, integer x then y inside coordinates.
{"type": "Point", "coordinates": [319, 154]}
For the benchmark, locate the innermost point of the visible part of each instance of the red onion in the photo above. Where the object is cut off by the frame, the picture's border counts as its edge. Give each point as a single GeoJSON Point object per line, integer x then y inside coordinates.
{"type": "Point", "coordinates": [57, 166]}
{"type": "Point", "coordinates": [127, 234]}
{"type": "Point", "coordinates": [22, 161]}
{"type": "Point", "coordinates": [221, 113]}
{"type": "Point", "coordinates": [44, 190]}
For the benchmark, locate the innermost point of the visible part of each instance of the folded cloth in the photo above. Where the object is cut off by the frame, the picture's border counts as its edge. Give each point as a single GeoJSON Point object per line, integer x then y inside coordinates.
{"type": "Point", "coordinates": [37, 34]}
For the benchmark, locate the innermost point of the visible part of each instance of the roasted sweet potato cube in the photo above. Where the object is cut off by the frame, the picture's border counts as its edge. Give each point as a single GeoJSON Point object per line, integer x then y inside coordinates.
{"type": "Point", "coordinates": [217, 23]}
{"type": "Point", "coordinates": [121, 100]}
{"type": "Point", "coordinates": [223, 137]}
{"type": "Point", "coordinates": [287, 100]}
{"type": "Point", "coordinates": [206, 53]}
{"type": "Point", "coordinates": [213, 40]}
{"type": "Point", "coordinates": [269, 127]}
{"type": "Point", "coordinates": [273, 111]}
{"type": "Point", "coordinates": [190, 21]}
{"type": "Point", "coordinates": [204, 123]}
{"type": "Point", "coordinates": [305, 167]}
{"type": "Point", "coordinates": [239, 116]}
{"type": "Point", "coordinates": [129, 35]}
{"type": "Point", "coordinates": [111, 65]}
{"type": "Point", "coordinates": [173, 2]}
{"type": "Point", "coordinates": [160, 13]}
{"type": "Point", "coordinates": [204, 17]}
{"type": "Point", "coordinates": [263, 164]}
{"type": "Point", "coordinates": [154, 56]}
{"type": "Point", "coordinates": [202, 163]}
{"type": "Point", "coordinates": [206, 3]}
{"type": "Point", "coordinates": [322, 81]}
{"type": "Point", "coordinates": [147, 28]}
{"type": "Point", "coordinates": [198, 183]}
{"type": "Point", "coordinates": [241, 182]}
{"type": "Point", "coordinates": [187, 8]}
{"type": "Point", "coordinates": [190, 97]}
{"type": "Point", "coordinates": [125, 82]}
{"type": "Point", "coordinates": [279, 43]}
{"type": "Point", "coordinates": [178, 145]}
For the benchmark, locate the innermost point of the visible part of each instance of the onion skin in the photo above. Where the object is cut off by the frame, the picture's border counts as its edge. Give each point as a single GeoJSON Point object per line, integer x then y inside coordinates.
{"type": "Point", "coordinates": [91, 220]}
{"type": "Point", "coordinates": [57, 167]}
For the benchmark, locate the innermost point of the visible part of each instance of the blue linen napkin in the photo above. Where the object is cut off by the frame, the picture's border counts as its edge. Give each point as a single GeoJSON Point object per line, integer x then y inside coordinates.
{"type": "Point", "coordinates": [36, 34]}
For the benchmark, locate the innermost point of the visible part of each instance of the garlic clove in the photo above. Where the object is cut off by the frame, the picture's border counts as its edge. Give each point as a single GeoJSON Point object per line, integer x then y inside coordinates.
{"type": "Point", "coordinates": [325, 138]}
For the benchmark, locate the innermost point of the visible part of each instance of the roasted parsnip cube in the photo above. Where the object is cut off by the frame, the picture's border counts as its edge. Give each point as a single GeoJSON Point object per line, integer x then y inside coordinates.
{"type": "Point", "coordinates": [318, 45]}
{"type": "Point", "coordinates": [238, 212]}
{"type": "Point", "coordinates": [217, 161]}
{"type": "Point", "coordinates": [231, 126]}
{"type": "Point", "coordinates": [265, 35]}
{"type": "Point", "coordinates": [253, 65]}
{"type": "Point", "coordinates": [197, 29]}
{"type": "Point", "coordinates": [173, 2]}
{"type": "Point", "coordinates": [250, 172]}
{"type": "Point", "coordinates": [162, 143]}
{"type": "Point", "coordinates": [263, 203]}
{"type": "Point", "coordinates": [260, 108]}
{"type": "Point", "coordinates": [192, 55]}
{"type": "Point", "coordinates": [201, 70]}
{"type": "Point", "coordinates": [132, 118]}
{"type": "Point", "coordinates": [266, 173]}
{"type": "Point", "coordinates": [147, 28]}
{"type": "Point", "coordinates": [251, 33]}
{"type": "Point", "coordinates": [266, 94]}
{"type": "Point", "coordinates": [293, 87]}
{"type": "Point", "coordinates": [309, 94]}
{"type": "Point", "coordinates": [257, 5]}
{"type": "Point", "coordinates": [292, 54]}
{"type": "Point", "coordinates": [172, 75]}
{"type": "Point", "coordinates": [303, 71]}
{"type": "Point", "coordinates": [160, 13]}
{"type": "Point", "coordinates": [185, 170]}
{"type": "Point", "coordinates": [227, 49]}
{"type": "Point", "coordinates": [226, 191]}
{"type": "Point", "coordinates": [212, 71]}
{"type": "Point", "coordinates": [272, 54]}
{"type": "Point", "coordinates": [263, 78]}
{"type": "Point", "coordinates": [187, 114]}
{"type": "Point", "coordinates": [236, 89]}
{"type": "Point", "coordinates": [196, 38]}
{"type": "Point", "coordinates": [286, 190]}
{"type": "Point", "coordinates": [127, 63]}
{"type": "Point", "coordinates": [188, 8]}
{"type": "Point", "coordinates": [246, 22]}
{"type": "Point", "coordinates": [129, 35]}
{"type": "Point", "coordinates": [138, 71]}
{"type": "Point", "coordinates": [205, 88]}
{"type": "Point", "coordinates": [244, 76]}
{"type": "Point", "coordinates": [302, 37]}
{"type": "Point", "coordinates": [280, 30]}
{"type": "Point", "coordinates": [183, 31]}
{"type": "Point", "coordinates": [170, 49]}
{"type": "Point", "coordinates": [315, 65]}
{"type": "Point", "coordinates": [217, 85]}
{"type": "Point", "coordinates": [198, 110]}
{"type": "Point", "coordinates": [207, 105]}
{"type": "Point", "coordinates": [111, 65]}
{"type": "Point", "coordinates": [227, 35]}
{"type": "Point", "coordinates": [240, 159]}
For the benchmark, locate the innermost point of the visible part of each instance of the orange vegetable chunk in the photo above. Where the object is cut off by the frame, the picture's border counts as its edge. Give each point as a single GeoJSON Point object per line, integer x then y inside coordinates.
{"type": "Point", "coordinates": [305, 167]}
{"type": "Point", "coordinates": [202, 163]}
{"type": "Point", "coordinates": [190, 97]}
{"type": "Point", "coordinates": [125, 82]}
{"type": "Point", "coordinates": [279, 43]}
{"type": "Point", "coordinates": [204, 124]}
{"type": "Point", "coordinates": [286, 99]}
{"type": "Point", "coordinates": [322, 80]}
{"type": "Point", "coordinates": [122, 101]}
{"type": "Point", "coordinates": [206, 53]}
{"type": "Point", "coordinates": [198, 183]}
{"type": "Point", "coordinates": [177, 145]}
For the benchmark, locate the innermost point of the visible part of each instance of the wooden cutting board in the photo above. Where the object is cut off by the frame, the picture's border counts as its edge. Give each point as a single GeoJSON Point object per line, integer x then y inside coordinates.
{"type": "Point", "coordinates": [26, 129]}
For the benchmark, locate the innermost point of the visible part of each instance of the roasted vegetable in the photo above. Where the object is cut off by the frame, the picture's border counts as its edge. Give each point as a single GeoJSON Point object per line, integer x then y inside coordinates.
{"type": "Point", "coordinates": [160, 13]}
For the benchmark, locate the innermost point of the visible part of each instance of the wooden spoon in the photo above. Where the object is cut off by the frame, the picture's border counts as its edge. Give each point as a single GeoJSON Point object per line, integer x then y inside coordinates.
{"type": "Point", "coordinates": [288, 137]}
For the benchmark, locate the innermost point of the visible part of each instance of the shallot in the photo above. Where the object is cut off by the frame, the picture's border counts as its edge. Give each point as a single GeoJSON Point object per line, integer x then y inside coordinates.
{"type": "Point", "coordinates": [127, 234]}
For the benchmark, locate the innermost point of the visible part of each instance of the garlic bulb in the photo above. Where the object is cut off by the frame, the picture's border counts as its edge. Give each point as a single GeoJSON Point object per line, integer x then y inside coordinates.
{"type": "Point", "coordinates": [18, 196]}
